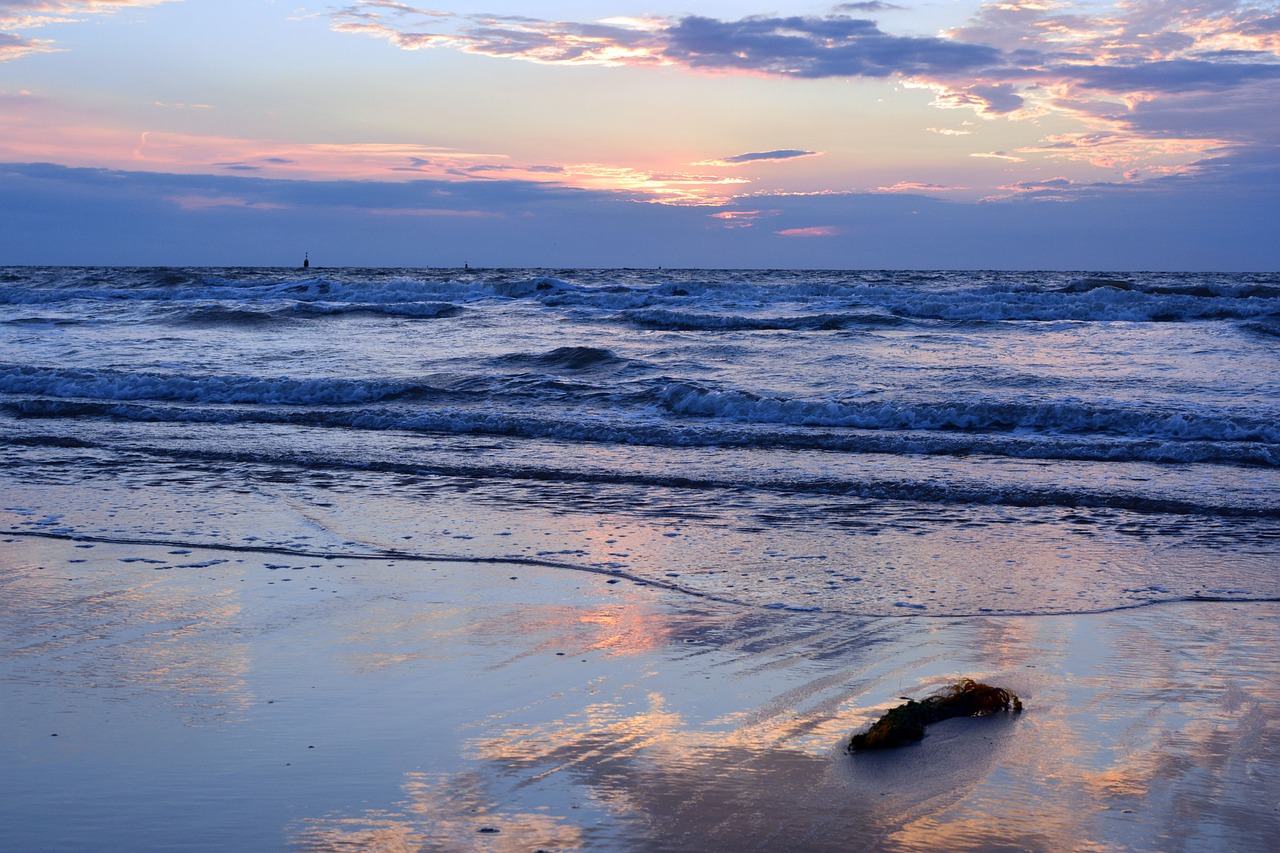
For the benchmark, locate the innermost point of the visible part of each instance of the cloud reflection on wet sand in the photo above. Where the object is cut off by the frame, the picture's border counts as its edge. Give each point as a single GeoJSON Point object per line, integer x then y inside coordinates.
{"type": "Point", "coordinates": [1140, 726]}
{"type": "Point", "coordinates": [490, 708]}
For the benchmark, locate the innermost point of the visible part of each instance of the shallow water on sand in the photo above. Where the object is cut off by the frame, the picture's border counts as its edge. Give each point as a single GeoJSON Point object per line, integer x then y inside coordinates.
{"type": "Point", "coordinates": [208, 701]}
{"type": "Point", "coordinates": [805, 553]}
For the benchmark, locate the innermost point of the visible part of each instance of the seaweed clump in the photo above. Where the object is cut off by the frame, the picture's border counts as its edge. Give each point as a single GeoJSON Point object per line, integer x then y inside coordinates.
{"type": "Point", "coordinates": [905, 724]}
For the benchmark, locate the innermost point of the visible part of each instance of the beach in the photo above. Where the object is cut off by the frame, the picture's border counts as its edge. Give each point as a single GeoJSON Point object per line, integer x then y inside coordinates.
{"type": "Point", "coordinates": [174, 697]}
{"type": "Point", "coordinates": [619, 560]}
{"type": "Point", "coordinates": [567, 427]}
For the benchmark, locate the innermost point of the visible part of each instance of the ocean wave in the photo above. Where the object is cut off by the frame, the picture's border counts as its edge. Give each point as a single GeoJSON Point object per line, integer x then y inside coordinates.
{"type": "Point", "coordinates": [1098, 494]}
{"type": "Point", "coordinates": [126, 386]}
{"type": "Point", "coordinates": [1101, 304]}
{"type": "Point", "coordinates": [218, 315]}
{"type": "Point", "coordinates": [745, 300]}
{"type": "Point", "coordinates": [855, 301]}
{"type": "Point", "coordinates": [687, 321]}
{"type": "Point", "coordinates": [974, 415]}
{"type": "Point", "coordinates": [582, 392]}
{"type": "Point", "coordinates": [335, 289]}
{"type": "Point", "coordinates": [260, 313]}
{"type": "Point", "coordinates": [573, 358]}
{"type": "Point", "coordinates": [418, 310]}
{"type": "Point", "coordinates": [1268, 327]}
{"type": "Point", "coordinates": [574, 426]}
{"type": "Point", "coordinates": [1206, 289]}
{"type": "Point", "coordinates": [38, 320]}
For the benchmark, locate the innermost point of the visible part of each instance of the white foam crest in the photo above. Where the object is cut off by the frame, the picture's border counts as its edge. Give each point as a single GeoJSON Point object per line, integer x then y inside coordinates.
{"type": "Point", "coordinates": [419, 310]}
{"type": "Point", "coordinates": [1057, 416]}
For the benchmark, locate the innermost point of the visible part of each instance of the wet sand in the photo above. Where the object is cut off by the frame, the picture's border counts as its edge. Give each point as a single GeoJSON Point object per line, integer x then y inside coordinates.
{"type": "Point", "coordinates": [168, 698]}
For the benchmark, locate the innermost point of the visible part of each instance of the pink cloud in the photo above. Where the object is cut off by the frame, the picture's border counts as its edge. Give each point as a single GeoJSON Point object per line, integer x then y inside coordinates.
{"type": "Point", "coordinates": [13, 46]}
{"type": "Point", "coordinates": [620, 41]}
{"type": "Point", "coordinates": [739, 218]}
{"type": "Point", "coordinates": [999, 155]}
{"type": "Point", "coordinates": [430, 211]}
{"type": "Point", "coordinates": [208, 202]}
{"type": "Point", "coordinates": [1179, 80]}
{"type": "Point", "coordinates": [1139, 88]}
{"type": "Point", "coordinates": [167, 106]}
{"type": "Point", "coordinates": [914, 187]}
{"type": "Point", "coordinates": [33, 129]}
{"type": "Point", "coordinates": [815, 231]}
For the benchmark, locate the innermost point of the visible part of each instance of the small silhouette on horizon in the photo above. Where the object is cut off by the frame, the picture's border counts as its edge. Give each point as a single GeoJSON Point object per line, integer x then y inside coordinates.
{"type": "Point", "coordinates": [306, 260]}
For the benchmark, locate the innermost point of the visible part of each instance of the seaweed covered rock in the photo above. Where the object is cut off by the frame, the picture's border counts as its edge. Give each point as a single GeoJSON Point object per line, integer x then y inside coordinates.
{"type": "Point", "coordinates": [905, 724]}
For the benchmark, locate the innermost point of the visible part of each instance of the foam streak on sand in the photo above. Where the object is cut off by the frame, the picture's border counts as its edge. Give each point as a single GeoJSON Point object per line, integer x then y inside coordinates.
{"type": "Point", "coordinates": [613, 560]}
{"type": "Point", "coordinates": [617, 574]}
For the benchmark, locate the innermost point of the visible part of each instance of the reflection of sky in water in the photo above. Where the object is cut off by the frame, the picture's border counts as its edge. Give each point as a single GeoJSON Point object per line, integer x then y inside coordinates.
{"type": "Point", "coordinates": [1123, 742]}
{"type": "Point", "coordinates": [128, 620]}
{"type": "Point", "coordinates": [416, 706]}
{"type": "Point", "coordinates": [644, 760]}
{"type": "Point", "coordinates": [446, 813]}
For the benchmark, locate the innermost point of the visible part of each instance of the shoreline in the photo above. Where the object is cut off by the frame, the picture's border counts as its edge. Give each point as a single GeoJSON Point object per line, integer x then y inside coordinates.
{"type": "Point", "coordinates": [380, 554]}
{"type": "Point", "coordinates": [216, 700]}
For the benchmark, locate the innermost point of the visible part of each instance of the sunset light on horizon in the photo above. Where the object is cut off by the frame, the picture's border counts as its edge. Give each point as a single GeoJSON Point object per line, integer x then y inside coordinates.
{"type": "Point", "coordinates": [1022, 134]}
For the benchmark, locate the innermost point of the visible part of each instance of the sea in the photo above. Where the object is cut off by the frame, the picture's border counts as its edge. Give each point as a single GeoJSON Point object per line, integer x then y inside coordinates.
{"type": "Point", "coordinates": [872, 443]}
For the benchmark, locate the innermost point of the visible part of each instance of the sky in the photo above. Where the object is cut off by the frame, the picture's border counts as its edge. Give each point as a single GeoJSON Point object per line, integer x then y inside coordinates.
{"type": "Point", "coordinates": [958, 134]}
